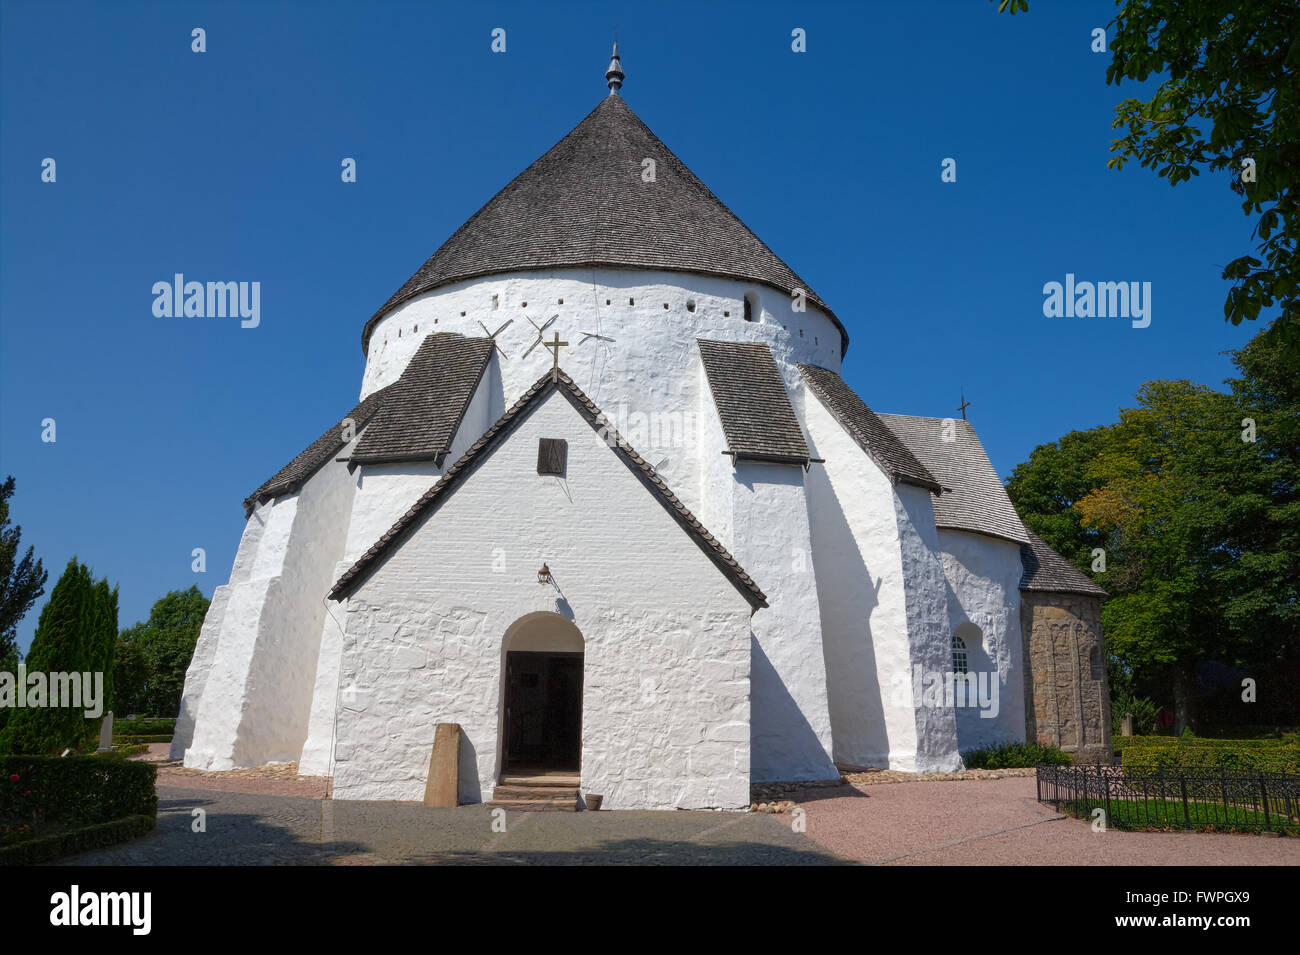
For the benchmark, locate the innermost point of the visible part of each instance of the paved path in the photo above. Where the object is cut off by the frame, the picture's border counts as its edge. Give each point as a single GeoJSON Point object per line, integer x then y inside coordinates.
{"type": "Point", "coordinates": [256, 829]}
{"type": "Point", "coordinates": [999, 822]}
{"type": "Point", "coordinates": [987, 822]}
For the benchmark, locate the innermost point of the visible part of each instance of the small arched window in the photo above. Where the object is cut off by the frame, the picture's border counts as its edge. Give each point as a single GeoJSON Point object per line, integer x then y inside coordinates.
{"type": "Point", "coordinates": [751, 307]}
{"type": "Point", "coordinates": [959, 662]}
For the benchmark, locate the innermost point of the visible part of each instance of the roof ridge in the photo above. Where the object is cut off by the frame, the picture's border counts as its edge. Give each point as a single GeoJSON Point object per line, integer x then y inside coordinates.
{"type": "Point", "coordinates": [312, 458]}
{"type": "Point", "coordinates": [500, 429]}
{"type": "Point", "coordinates": [885, 448]}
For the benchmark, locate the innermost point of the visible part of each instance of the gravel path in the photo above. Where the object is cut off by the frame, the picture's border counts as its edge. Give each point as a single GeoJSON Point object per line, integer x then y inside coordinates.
{"type": "Point", "coordinates": [999, 822]}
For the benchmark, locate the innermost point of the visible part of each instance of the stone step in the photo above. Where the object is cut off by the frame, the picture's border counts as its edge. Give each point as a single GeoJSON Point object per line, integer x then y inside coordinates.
{"type": "Point", "coordinates": [536, 805]}
{"type": "Point", "coordinates": [516, 792]}
{"type": "Point", "coordinates": [563, 780]}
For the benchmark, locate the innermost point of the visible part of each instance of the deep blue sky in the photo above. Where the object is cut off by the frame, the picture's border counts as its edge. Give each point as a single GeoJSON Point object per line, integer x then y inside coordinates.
{"type": "Point", "coordinates": [225, 165]}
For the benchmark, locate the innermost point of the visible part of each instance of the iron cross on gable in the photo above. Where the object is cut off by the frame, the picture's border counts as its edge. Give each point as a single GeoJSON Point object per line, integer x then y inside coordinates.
{"type": "Point", "coordinates": [963, 406]}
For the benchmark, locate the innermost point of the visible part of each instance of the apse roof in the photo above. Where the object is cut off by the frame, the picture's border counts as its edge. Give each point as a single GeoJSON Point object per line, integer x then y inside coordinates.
{"type": "Point", "coordinates": [1047, 570]}
{"type": "Point", "coordinates": [585, 203]}
{"type": "Point", "coordinates": [973, 498]}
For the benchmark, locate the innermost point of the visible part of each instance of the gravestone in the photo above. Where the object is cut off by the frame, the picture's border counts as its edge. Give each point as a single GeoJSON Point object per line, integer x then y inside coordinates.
{"type": "Point", "coordinates": [106, 734]}
{"type": "Point", "coordinates": [444, 767]}
{"type": "Point", "coordinates": [1126, 725]}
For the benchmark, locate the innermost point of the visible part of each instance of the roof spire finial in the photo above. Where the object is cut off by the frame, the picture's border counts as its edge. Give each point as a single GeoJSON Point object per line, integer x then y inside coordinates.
{"type": "Point", "coordinates": [614, 75]}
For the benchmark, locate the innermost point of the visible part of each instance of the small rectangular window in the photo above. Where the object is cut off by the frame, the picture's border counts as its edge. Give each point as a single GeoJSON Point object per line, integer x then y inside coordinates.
{"type": "Point", "coordinates": [552, 455]}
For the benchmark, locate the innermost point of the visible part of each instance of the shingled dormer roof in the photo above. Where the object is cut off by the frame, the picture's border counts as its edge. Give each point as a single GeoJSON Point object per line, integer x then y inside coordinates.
{"type": "Point", "coordinates": [432, 499]}
{"type": "Point", "coordinates": [973, 498]}
{"type": "Point", "coordinates": [584, 204]}
{"type": "Point", "coordinates": [293, 475]}
{"type": "Point", "coordinates": [413, 419]}
{"type": "Point", "coordinates": [1046, 570]}
{"type": "Point", "coordinates": [864, 427]}
{"type": "Point", "coordinates": [420, 420]}
{"type": "Point", "coordinates": [753, 405]}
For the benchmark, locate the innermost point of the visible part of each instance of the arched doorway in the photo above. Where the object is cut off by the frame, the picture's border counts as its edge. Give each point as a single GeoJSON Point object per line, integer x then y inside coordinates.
{"type": "Point", "coordinates": [541, 726]}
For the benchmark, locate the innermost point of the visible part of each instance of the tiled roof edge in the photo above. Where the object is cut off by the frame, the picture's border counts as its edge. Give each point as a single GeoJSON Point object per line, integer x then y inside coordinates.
{"type": "Point", "coordinates": [466, 464]}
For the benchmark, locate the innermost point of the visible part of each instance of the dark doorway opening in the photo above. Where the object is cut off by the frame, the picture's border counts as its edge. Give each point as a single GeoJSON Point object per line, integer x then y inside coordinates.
{"type": "Point", "coordinates": [543, 720]}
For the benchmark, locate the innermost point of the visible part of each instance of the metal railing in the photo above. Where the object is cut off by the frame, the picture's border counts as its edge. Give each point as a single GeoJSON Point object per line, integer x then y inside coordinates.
{"type": "Point", "coordinates": [1227, 799]}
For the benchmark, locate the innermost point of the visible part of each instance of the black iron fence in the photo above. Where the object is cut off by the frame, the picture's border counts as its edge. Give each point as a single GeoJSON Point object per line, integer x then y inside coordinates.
{"type": "Point", "coordinates": [1219, 799]}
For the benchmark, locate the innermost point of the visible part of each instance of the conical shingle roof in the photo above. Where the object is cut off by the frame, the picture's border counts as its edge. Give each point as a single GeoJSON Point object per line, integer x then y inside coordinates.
{"type": "Point", "coordinates": [585, 203]}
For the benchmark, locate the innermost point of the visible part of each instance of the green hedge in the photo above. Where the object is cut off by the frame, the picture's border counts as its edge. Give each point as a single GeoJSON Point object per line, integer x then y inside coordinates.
{"type": "Point", "coordinates": [1015, 756]}
{"type": "Point", "coordinates": [144, 727]}
{"type": "Point", "coordinates": [74, 790]}
{"type": "Point", "coordinates": [1151, 753]}
{"type": "Point", "coordinates": [124, 750]}
{"type": "Point", "coordinates": [85, 839]}
{"type": "Point", "coordinates": [129, 738]}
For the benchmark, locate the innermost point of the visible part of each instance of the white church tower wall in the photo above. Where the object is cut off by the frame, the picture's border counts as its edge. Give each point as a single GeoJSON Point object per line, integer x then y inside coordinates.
{"type": "Point", "coordinates": [257, 696]}
{"type": "Point", "coordinates": [938, 746]}
{"type": "Point", "coordinates": [983, 576]}
{"type": "Point", "coordinates": [791, 724]}
{"type": "Point", "coordinates": [214, 622]}
{"type": "Point", "coordinates": [646, 379]}
{"type": "Point", "coordinates": [384, 492]}
{"type": "Point", "coordinates": [880, 597]}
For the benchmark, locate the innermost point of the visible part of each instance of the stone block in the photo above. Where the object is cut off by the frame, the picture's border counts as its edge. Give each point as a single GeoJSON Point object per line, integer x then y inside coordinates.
{"type": "Point", "coordinates": [444, 767]}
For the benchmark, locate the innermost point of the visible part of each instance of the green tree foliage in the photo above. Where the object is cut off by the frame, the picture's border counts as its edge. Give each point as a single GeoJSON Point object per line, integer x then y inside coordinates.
{"type": "Point", "coordinates": [1228, 99]}
{"type": "Point", "coordinates": [75, 634]}
{"type": "Point", "coordinates": [1228, 95]}
{"type": "Point", "coordinates": [59, 645]}
{"type": "Point", "coordinates": [1165, 487]}
{"type": "Point", "coordinates": [1047, 486]}
{"type": "Point", "coordinates": [1262, 578]}
{"type": "Point", "coordinates": [22, 582]}
{"type": "Point", "coordinates": [101, 649]}
{"type": "Point", "coordinates": [152, 656]}
{"type": "Point", "coordinates": [1193, 496]}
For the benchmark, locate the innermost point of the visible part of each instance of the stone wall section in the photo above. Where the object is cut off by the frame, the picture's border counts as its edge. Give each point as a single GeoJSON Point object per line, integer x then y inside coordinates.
{"type": "Point", "coordinates": [1067, 700]}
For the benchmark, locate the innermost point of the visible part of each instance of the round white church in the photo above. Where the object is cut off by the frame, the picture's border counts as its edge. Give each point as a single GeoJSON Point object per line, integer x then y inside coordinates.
{"type": "Point", "coordinates": [606, 505]}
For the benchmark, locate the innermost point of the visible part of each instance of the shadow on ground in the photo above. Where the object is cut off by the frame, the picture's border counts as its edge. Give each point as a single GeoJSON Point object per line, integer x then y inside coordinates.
{"type": "Point", "coordinates": [204, 827]}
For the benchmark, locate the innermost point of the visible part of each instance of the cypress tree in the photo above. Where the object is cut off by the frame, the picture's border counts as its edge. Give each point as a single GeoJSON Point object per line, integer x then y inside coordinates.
{"type": "Point", "coordinates": [100, 651]}
{"type": "Point", "coordinates": [60, 644]}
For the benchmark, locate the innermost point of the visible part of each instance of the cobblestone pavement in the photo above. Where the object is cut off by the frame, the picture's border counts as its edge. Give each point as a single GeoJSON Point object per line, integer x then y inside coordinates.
{"type": "Point", "coordinates": [1000, 822]}
{"type": "Point", "coordinates": [260, 829]}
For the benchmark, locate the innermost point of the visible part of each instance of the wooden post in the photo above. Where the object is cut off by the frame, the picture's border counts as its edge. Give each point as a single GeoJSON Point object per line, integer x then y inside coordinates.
{"type": "Point", "coordinates": [444, 767]}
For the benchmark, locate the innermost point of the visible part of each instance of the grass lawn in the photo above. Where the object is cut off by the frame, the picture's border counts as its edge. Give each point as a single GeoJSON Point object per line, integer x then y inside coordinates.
{"type": "Point", "coordinates": [1168, 814]}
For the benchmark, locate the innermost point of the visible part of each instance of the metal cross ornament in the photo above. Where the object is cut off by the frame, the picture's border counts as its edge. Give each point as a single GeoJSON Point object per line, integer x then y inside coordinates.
{"type": "Point", "coordinates": [555, 347]}
{"type": "Point", "coordinates": [493, 335]}
{"type": "Point", "coordinates": [963, 406]}
{"type": "Point", "coordinates": [539, 329]}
